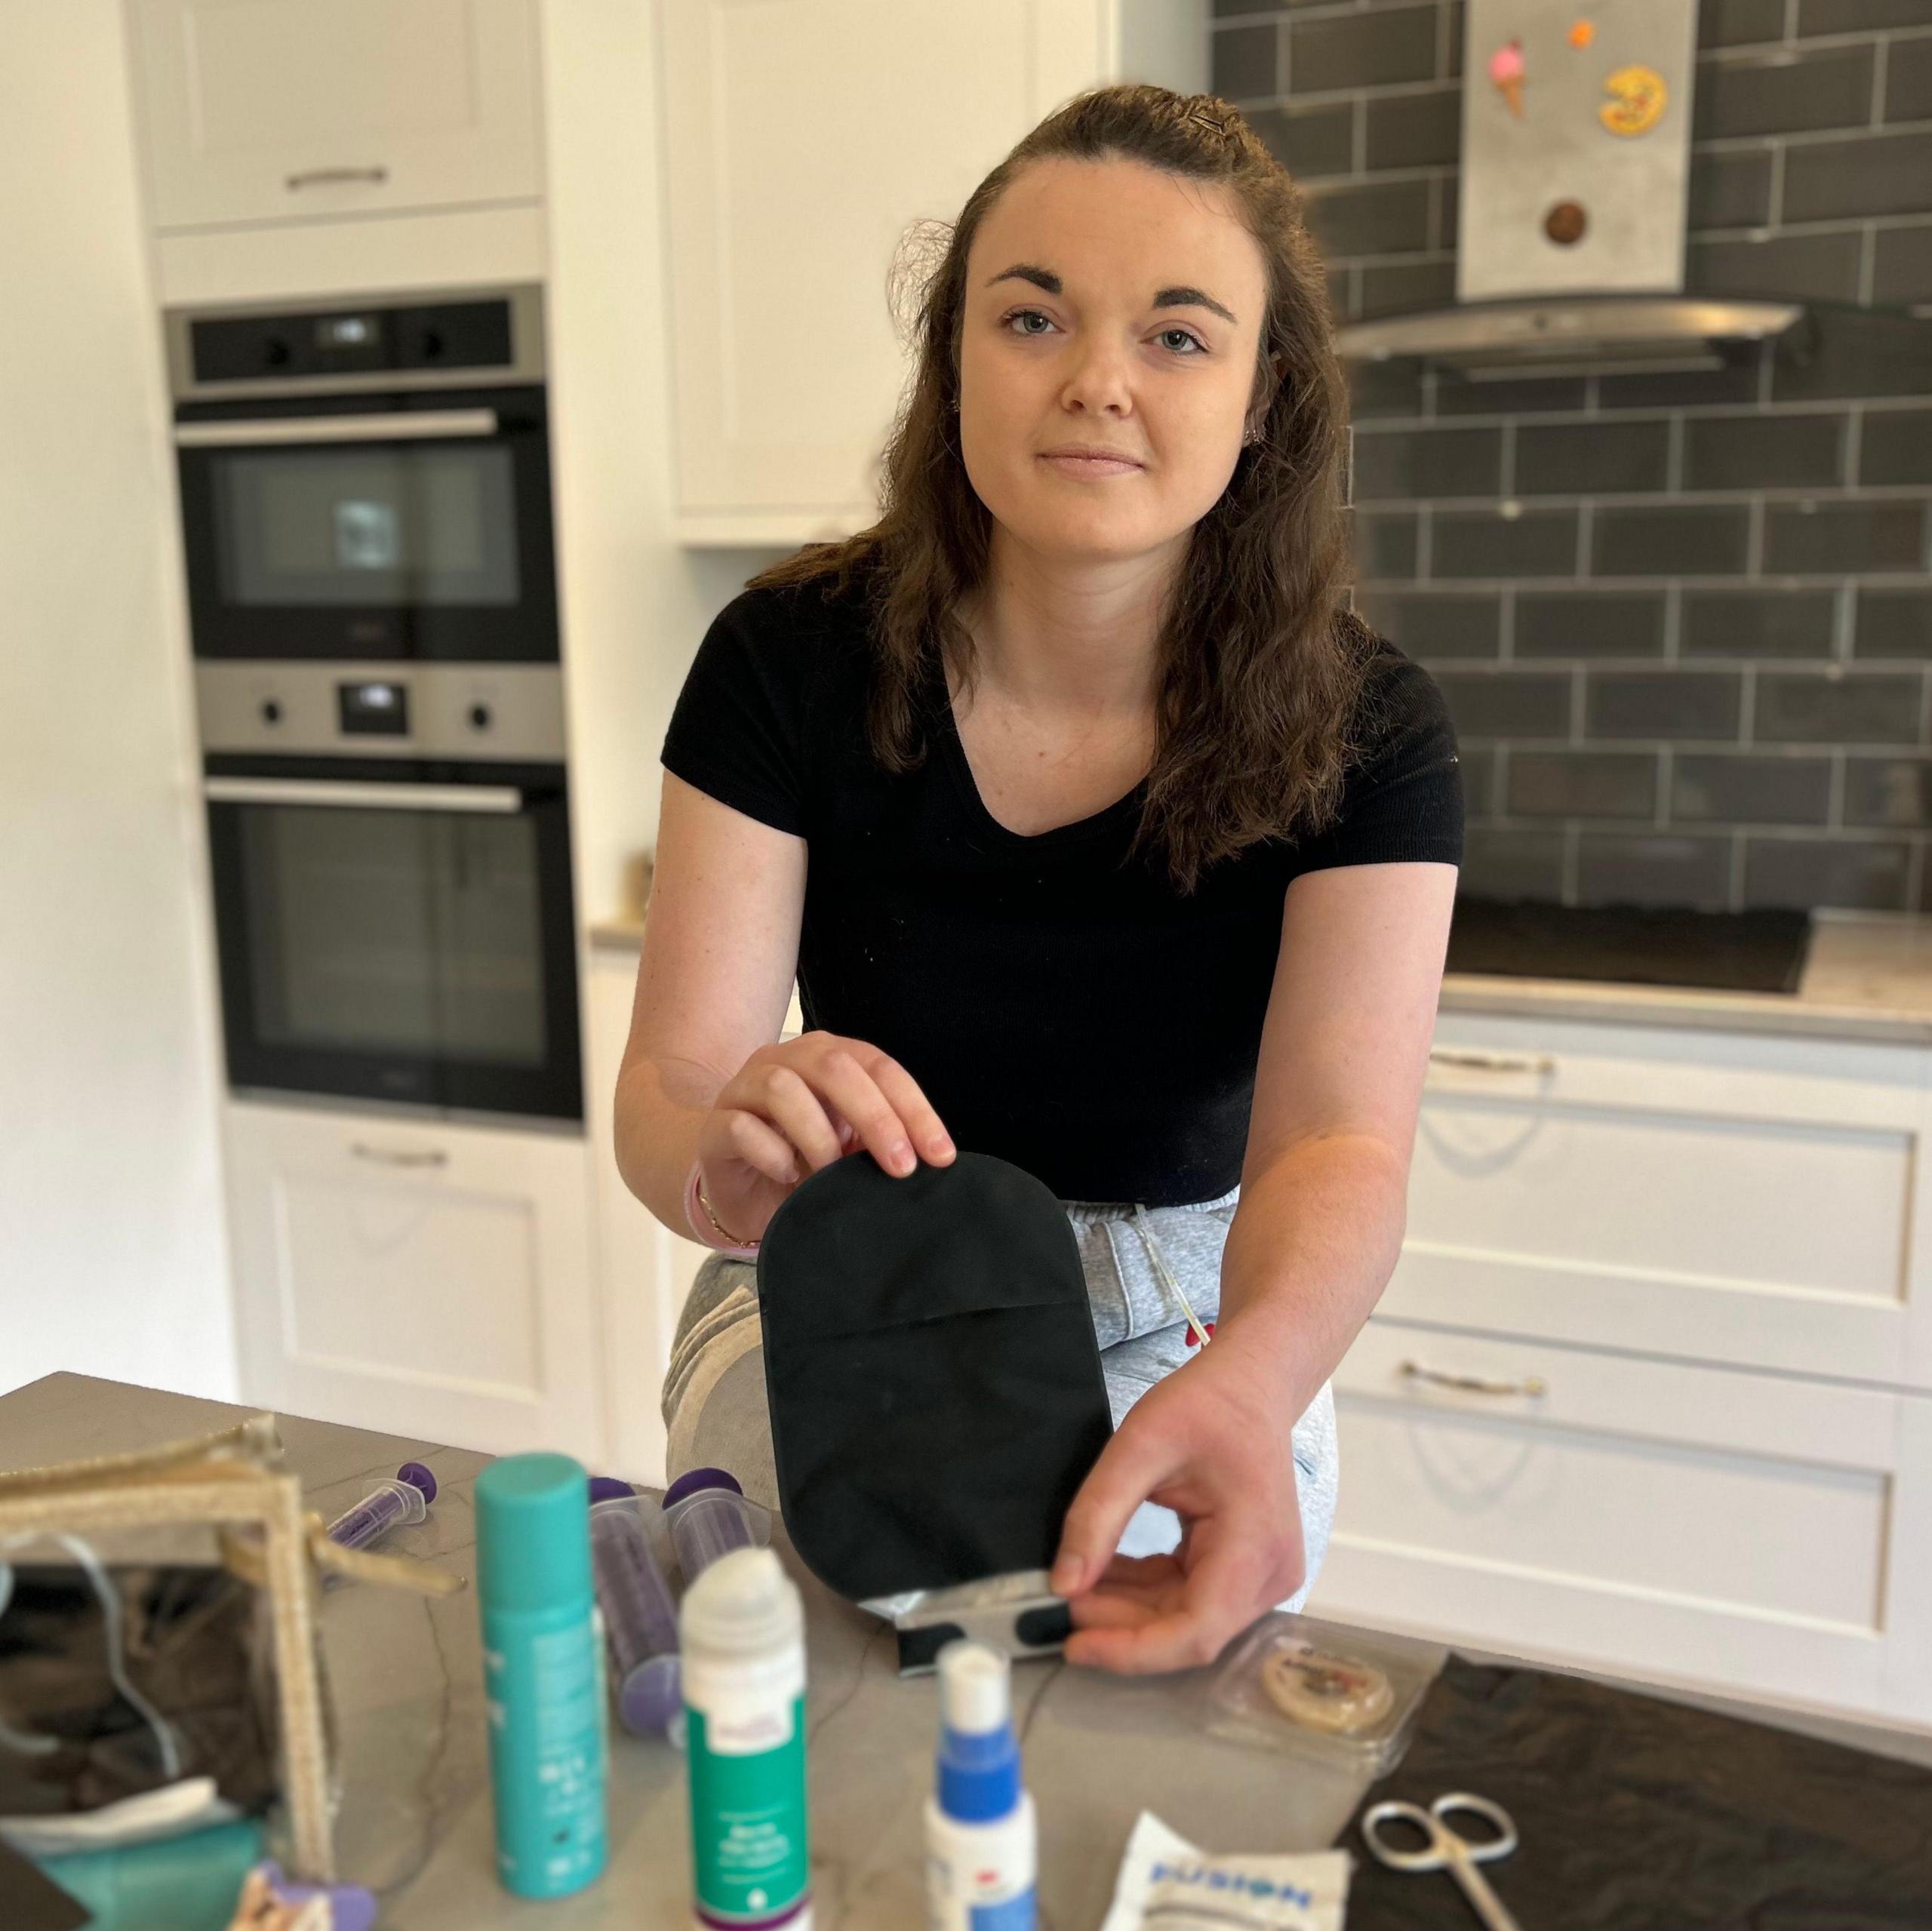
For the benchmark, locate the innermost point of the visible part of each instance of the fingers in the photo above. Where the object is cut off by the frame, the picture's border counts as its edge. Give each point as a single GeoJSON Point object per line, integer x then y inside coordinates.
{"type": "Point", "coordinates": [760, 1146]}
{"type": "Point", "coordinates": [828, 1095]}
{"type": "Point", "coordinates": [913, 1108]}
{"type": "Point", "coordinates": [1141, 1634]}
{"type": "Point", "coordinates": [1134, 1464]}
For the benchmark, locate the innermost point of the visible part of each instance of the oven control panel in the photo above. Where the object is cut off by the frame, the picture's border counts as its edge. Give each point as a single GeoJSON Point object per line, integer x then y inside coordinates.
{"type": "Point", "coordinates": [499, 712]}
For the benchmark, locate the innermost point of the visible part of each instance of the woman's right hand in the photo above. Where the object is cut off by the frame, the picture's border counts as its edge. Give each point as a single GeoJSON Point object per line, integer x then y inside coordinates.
{"type": "Point", "coordinates": [799, 1104]}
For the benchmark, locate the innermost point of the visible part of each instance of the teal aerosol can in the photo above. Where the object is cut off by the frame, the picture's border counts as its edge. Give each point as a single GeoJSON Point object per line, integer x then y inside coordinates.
{"type": "Point", "coordinates": [542, 1674]}
{"type": "Point", "coordinates": [741, 1633]}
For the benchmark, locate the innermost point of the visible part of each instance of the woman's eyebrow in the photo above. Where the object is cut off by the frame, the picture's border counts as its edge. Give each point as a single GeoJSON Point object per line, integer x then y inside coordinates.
{"type": "Point", "coordinates": [1181, 297]}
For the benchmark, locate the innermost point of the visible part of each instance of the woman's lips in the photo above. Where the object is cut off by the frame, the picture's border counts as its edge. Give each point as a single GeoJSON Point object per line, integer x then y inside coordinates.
{"type": "Point", "coordinates": [1092, 466]}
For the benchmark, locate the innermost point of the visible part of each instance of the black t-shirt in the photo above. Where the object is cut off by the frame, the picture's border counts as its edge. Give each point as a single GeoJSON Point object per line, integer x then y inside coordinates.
{"type": "Point", "coordinates": [1071, 1013]}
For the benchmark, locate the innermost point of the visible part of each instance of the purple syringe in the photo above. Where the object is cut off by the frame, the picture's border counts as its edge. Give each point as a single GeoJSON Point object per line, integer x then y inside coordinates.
{"type": "Point", "coordinates": [389, 1505]}
{"type": "Point", "coordinates": [709, 1516]}
{"type": "Point", "coordinates": [640, 1619]}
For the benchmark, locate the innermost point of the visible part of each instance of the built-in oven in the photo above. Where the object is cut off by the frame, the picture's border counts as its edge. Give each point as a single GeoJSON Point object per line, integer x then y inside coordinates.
{"type": "Point", "coordinates": [368, 482]}
{"type": "Point", "coordinates": [391, 872]}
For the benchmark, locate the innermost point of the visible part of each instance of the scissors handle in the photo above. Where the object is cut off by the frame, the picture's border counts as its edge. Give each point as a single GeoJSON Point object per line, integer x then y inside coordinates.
{"type": "Point", "coordinates": [1445, 1849]}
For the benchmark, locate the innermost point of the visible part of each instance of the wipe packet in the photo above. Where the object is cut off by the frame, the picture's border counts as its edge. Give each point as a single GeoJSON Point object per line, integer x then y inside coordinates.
{"type": "Point", "coordinates": [1165, 1881]}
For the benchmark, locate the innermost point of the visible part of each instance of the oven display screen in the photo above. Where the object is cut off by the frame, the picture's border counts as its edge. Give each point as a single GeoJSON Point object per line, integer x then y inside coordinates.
{"type": "Point", "coordinates": [372, 710]}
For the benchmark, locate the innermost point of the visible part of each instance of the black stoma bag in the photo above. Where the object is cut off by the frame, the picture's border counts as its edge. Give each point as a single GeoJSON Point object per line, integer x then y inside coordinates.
{"type": "Point", "coordinates": [934, 1384]}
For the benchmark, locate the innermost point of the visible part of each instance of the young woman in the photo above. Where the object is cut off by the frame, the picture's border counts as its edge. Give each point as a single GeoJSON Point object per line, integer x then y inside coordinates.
{"type": "Point", "coordinates": [1100, 835]}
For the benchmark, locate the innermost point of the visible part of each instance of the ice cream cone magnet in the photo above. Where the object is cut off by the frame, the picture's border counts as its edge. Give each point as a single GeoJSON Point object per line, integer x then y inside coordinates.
{"type": "Point", "coordinates": [1505, 75]}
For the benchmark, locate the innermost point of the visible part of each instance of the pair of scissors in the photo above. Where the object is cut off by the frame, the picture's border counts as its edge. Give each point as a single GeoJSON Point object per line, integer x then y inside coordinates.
{"type": "Point", "coordinates": [1446, 1849]}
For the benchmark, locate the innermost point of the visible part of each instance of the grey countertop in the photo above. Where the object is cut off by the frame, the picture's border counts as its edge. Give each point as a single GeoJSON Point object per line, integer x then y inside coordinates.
{"type": "Point", "coordinates": [1867, 976]}
{"type": "Point", "coordinates": [406, 1682]}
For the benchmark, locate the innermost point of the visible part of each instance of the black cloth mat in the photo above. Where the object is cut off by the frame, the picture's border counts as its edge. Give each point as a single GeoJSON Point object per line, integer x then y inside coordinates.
{"type": "Point", "coordinates": [1635, 1814]}
{"type": "Point", "coordinates": [1735, 951]}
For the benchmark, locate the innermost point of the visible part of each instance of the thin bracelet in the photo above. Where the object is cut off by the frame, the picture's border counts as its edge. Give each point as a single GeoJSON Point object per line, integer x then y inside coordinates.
{"type": "Point", "coordinates": [720, 1237]}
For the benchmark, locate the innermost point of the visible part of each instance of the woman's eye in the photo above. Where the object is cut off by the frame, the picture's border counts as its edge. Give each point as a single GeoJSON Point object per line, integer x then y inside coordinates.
{"type": "Point", "coordinates": [1180, 341]}
{"type": "Point", "coordinates": [1185, 337]}
{"type": "Point", "coordinates": [1019, 314]}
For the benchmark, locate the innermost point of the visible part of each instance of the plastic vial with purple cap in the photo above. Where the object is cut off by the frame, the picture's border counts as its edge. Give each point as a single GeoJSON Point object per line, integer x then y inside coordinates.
{"type": "Point", "coordinates": [640, 1620]}
{"type": "Point", "coordinates": [390, 1504]}
{"type": "Point", "coordinates": [708, 1516]}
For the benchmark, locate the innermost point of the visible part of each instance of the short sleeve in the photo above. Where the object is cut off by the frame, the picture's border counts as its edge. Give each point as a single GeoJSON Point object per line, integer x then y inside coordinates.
{"type": "Point", "coordinates": [1403, 801]}
{"type": "Point", "coordinates": [737, 730]}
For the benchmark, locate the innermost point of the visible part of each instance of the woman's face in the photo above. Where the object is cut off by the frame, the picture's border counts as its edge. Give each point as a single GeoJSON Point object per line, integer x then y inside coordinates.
{"type": "Point", "coordinates": [1109, 305]}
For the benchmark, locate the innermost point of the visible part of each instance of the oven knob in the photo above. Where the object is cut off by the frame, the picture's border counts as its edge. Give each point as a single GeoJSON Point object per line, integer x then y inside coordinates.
{"type": "Point", "coordinates": [271, 711]}
{"type": "Point", "coordinates": [274, 351]}
{"type": "Point", "coordinates": [479, 717]}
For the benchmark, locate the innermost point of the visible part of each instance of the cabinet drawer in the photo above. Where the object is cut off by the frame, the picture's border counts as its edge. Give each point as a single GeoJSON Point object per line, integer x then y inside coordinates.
{"type": "Point", "coordinates": [1679, 1523]}
{"type": "Point", "coordinates": [1749, 1201]}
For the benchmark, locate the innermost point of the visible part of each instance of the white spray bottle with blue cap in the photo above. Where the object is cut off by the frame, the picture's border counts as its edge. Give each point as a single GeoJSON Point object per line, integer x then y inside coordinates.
{"type": "Point", "coordinates": [981, 1833]}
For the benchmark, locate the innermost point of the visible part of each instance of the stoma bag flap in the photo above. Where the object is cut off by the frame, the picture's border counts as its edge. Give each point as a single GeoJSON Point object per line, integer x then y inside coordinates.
{"type": "Point", "coordinates": [934, 1383]}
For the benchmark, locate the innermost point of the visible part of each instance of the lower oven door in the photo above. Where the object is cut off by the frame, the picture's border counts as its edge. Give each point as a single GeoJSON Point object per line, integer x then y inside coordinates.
{"type": "Point", "coordinates": [398, 932]}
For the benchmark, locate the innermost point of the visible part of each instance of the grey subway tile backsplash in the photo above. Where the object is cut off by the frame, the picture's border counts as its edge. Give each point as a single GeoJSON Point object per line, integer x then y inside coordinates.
{"type": "Point", "coordinates": [1427, 462]}
{"type": "Point", "coordinates": [1370, 49]}
{"type": "Point", "coordinates": [1896, 446]}
{"type": "Point", "coordinates": [1747, 788]}
{"type": "Point", "coordinates": [1682, 617]}
{"type": "Point", "coordinates": [1812, 707]}
{"type": "Point", "coordinates": [1591, 459]}
{"type": "Point", "coordinates": [1590, 623]}
{"type": "Point", "coordinates": [1653, 868]}
{"type": "Point", "coordinates": [1773, 93]}
{"type": "Point", "coordinates": [1663, 704]}
{"type": "Point", "coordinates": [1816, 537]}
{"type": "Point", "coordinates": [1895, 793]}
{"type": "Point", "coordinates": [1744, 622]}
{"type": "Point", "coordinates": [1893, 623]}
{"type": "Point", "coordinates": [1487, 542]}
{"type": "Point", "coordinates": [1791, 450]}
{"type": "Point", "coordinates": [1512, 862]}
{"type": "Point", "coordinates": [1431, 624]}
{"type": "Point", "coordinates": [1863, 174]}
{"type": "Point", "coordinates": [1863, 873]}
{"type": "Point", "coordinates": [1687, 539]}
{"type": "Point", "coordinates": [1734, 23]}
{"type": "Point", "coordinates": [1507, 703]}
{"type": "Point", "coordinates": [1244, 67]}
{"type": "Point", "coordinates": [1415, 129]}
{"type": "Point", "coordinates": [1581, 784]}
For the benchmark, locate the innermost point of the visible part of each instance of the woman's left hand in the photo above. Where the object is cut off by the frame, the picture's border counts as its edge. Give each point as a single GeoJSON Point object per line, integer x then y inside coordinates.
{"type": "Point", "coordinates": [1213, 1442]}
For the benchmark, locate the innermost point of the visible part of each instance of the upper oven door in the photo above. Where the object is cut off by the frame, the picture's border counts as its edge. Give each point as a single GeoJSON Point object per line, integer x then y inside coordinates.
{"type": "Point", "coordinates": [414, 524]}
{"type": "Point", "coordinates": [399, 931]}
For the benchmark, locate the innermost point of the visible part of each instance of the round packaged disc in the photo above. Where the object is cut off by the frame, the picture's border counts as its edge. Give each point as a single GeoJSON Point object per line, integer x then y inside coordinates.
{"type": "Point", "coordinates": [1326, 1692]}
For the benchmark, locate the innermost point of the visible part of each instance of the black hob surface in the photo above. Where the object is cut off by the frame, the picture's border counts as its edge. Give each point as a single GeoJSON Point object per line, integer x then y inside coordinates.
{"type": "Point", "coordinates": [1735, 951]}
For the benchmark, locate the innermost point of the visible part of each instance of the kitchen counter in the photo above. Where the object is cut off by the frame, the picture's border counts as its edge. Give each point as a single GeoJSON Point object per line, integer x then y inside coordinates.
{"type": "Point", "coordinates": [1868, 976]}
{"type": "Point", "coordinates": [405, 1676]}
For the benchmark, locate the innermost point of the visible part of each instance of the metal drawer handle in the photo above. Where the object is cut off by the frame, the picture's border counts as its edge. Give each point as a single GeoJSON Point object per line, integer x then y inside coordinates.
{"type": "Point", "coordinates": [1532, 1384]}
{"type": "Point", "coordinates": [1542, 1064]}
{"type": "Point", "coordinates": [388, 1156]}
{"type": "Point", "coordinates": [318, 178]}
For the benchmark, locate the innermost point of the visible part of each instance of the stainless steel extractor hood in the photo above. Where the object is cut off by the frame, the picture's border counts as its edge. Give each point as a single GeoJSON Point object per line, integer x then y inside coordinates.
{"type": "Point", "coordinates": [1572, 206]}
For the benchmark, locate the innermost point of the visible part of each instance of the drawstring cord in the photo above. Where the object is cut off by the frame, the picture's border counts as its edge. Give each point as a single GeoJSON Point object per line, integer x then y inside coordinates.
{"type": "Point", "coordinates": [1202, 1332]}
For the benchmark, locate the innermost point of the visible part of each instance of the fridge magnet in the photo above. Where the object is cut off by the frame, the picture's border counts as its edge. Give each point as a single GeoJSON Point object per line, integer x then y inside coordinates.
{"type": "Point", "coordinates": [1505, 75]}
{"type": "Point", "coordinates": [1638, 97]}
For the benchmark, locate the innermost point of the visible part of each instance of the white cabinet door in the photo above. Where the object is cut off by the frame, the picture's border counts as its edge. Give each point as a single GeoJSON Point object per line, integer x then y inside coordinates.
{"type": "Point", "coordinates": [802, 139]}
{"type": "Point", "coordinates": [1752, 1533]}
{"type": "Point", "coordinates": [276, 110]}
{"type": "Point", "coordinates": [1764, 1202]}
{"type": "Point", "coordinates": [421, 1278]}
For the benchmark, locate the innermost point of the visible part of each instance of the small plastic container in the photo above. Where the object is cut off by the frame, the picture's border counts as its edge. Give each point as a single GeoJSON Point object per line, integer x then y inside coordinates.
{"type": "Point", "coordinates": [1345, 1696]}
{"type": "Point", "coordinates": [640, 1621]}
{"type": "Point", "coordinates": [706, 1511]}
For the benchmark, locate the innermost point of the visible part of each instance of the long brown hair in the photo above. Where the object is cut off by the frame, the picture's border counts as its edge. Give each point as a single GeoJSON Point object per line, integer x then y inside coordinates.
{"type": "Point", "coordinates": [1261, 664]}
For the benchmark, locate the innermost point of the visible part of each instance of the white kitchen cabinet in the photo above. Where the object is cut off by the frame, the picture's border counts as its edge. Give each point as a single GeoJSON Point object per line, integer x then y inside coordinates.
{"type": "Point", "coordinates": [418, 1277]}
{"type": "Point", "coordinates": [269, 111]}
{"type": "Point", "coordinates": [1764, 1534]}
{"type": "Point", "coordinates": [801, 139]}
{"type": "Point", "coordinates": [1726, 1197]}
{"type": "Point", "coordinates": [1650, 1390]}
